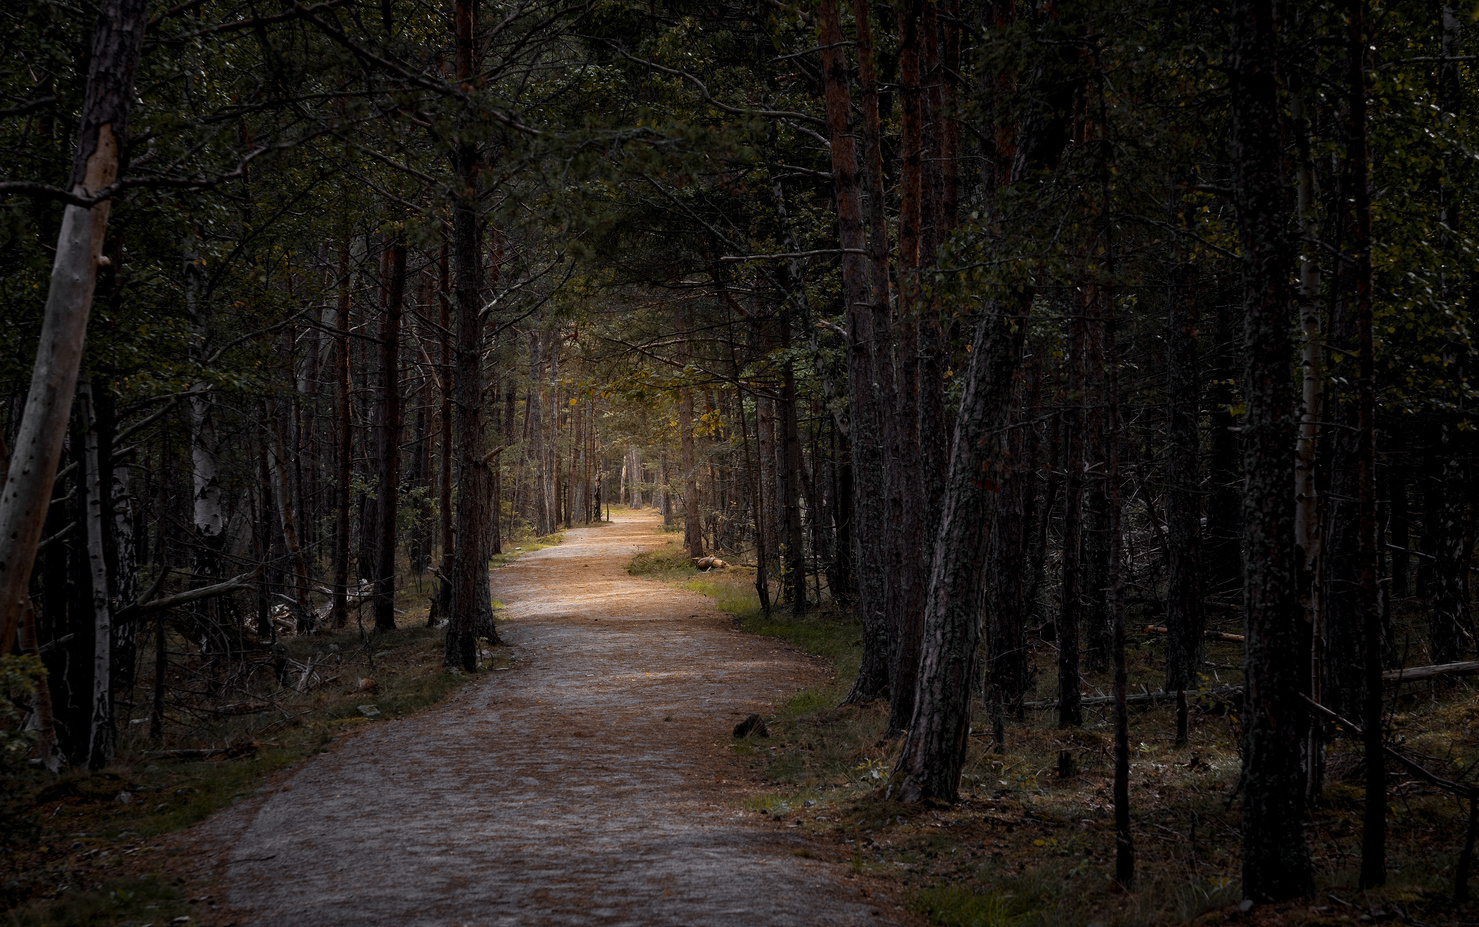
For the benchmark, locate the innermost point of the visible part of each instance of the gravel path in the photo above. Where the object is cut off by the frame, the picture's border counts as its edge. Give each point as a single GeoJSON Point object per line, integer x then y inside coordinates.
{"type": "Point", "coordinates": [591, 783]}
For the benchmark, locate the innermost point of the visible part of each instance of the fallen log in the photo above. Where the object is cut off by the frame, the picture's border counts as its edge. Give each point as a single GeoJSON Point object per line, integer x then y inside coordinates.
{"type": "Point", "coordinates": [1209, 635]}
{"type": "Point", "coordinates": [1410, 674]}
{"type": "Point", "coordinates": [1436, 671]}
{"type": "Point", "coordinates": [138, 609]}
{"type": "Point", "coordinates": [205, 753]}
{"type": "Point", "coordinates": [1143, 698]}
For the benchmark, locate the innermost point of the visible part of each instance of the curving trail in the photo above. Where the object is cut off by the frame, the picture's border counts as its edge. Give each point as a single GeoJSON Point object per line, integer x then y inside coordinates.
{"type": "Point", "coordinates": [590, 784]}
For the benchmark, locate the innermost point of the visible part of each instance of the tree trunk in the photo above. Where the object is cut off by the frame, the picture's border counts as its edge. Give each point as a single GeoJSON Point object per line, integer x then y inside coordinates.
{"type": "Point", "coordinates": [870, 365]}
{"type": "Point", "coordinates": [344, 445]}
{"type": "Point", "coordinates": [909, 509]}
{"type": "Point", "coordinates": [549, 457]}
{"type": "Point", "coordinates": [1223, 574]}
{"type": "Point", "coordinates": [769, 465]}
{"type": "Point", "coordinates": [473, 477]}
{"type": "Point", "coordinates": [101, 733]}
{"type": "Point", "coordinates": [388, 434]}
{"type": "Point", "coordinates": [793, 538]}
{"type": "Point", "coordinates": [302, 607]}
{"type": "Point", "coordinates": [1070, 596]}
{"type": "Point", "coordinates": [1374, 819]}
{"type": "Point", "coordinates": [1006, 604]}
{"type": "Point", "coordinates": [262, 540]}
{"type": "Point", "coordinates": [1450, 532]}
{"type": "Point", "coordinates": [1276, 862]}
{"type": "Point", "coordinates": [208, 512]}
{"type": "Point", "coordinates": [121, 545]}
{"type": "Point", "coordinates": [101, 135]}
{"type": "Point", "coordinates": [1184, 617]}
{"type": "Point", "coordinates": [934, 750]}
{"type": "Point", "coordinates": [693, 539]}
{"type": "Point", "coordinates": [1309, 529]}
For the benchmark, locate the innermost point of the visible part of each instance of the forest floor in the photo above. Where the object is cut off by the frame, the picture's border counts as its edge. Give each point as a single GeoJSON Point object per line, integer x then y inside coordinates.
{"type": "Point", "coordinates": [1032, 840]}
{"type": "Point", "coordinates": [588, 779]}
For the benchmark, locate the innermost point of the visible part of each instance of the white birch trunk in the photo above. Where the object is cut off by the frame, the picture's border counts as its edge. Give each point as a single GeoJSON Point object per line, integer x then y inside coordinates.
{"type": "Point", "coordinates": [100, 729]}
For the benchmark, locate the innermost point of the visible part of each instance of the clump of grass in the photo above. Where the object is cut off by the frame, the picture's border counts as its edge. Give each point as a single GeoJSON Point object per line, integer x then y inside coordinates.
{"type": "Point", "coordinates": [513, 549]}
{"type": "Point", "coordinates": [128, 903]}
{"type": "Point", "coordinates": [833, 637]}
{"type": "Point", "coordinates": [958, 906]}
{"type": "Point", "coordinates": [668, 563]}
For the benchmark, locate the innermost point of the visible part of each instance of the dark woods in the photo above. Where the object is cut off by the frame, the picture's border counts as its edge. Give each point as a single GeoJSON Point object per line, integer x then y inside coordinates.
{"type": "Point", "coordinates": [1002, 330]}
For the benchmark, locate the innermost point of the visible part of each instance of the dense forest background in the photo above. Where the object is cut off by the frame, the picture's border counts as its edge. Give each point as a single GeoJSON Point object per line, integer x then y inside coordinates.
{"type": "Point", "coordinates": [1008, 334]}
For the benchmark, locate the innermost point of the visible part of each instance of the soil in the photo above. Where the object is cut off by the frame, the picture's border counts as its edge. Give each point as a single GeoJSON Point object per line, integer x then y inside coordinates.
{"type": "Point", "coordinates": [589, 782]}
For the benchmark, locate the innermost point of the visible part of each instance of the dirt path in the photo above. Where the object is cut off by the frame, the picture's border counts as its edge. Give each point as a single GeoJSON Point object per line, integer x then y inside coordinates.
{"type": "Point", "coordinates": [589, 784]}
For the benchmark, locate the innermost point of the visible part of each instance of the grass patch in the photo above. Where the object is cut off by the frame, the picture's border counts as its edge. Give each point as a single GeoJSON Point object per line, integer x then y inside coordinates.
{"type": "Point", "coordinates": [126, 903]}
{"type": "Point", "coordinates": [1025, 847]}
{"type": "Point", "coordinates": [958, 906]}
{"type": "Point", "coordinates": [524, 546]}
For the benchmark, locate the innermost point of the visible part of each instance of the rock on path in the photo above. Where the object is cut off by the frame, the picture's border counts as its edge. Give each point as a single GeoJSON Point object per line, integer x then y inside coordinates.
{"type": "Point", "coordinates": [587, 785]}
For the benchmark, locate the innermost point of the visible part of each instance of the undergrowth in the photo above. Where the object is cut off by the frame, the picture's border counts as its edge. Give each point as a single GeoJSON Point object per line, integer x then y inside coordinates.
{"type": "Point", "coordinates": [1026, 846]}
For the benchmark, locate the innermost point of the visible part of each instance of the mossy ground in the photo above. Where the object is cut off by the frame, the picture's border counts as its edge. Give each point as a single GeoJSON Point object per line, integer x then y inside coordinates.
{"type": "Point", "coordinates": [1026, 847]}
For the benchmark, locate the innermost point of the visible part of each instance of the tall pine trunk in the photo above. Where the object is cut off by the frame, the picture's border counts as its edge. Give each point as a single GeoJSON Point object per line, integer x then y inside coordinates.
{"type": "Point", "coordinates": [344, 445]}
{"type": "Point", "coordinates": [474, 481]}
{"type": "Point", "coordinates": [388, 439]}
{"type": "Point", "coordinates": [1374, 820]}
{"type": "Point", "coordinates": [1276, 861]}
{"type": "Point", "coordinates": [934, 750]}
{"type": "Point", "coordinates": [1184, 615]}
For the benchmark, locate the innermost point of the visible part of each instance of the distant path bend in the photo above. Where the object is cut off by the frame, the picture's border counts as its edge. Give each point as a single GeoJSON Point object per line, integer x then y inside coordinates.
{"type": "Point", "coordinates": [591, 784]}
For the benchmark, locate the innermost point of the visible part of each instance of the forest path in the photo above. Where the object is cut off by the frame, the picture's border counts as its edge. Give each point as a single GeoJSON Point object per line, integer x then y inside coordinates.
{"type": "Point", "coordinates": [589, 784]}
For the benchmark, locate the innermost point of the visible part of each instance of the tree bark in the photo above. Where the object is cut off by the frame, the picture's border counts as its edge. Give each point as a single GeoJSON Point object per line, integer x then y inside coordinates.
{"type": "Point", "coordinates": [870, 364]}
{"type": "Point", "coordinates": [1184, 616]}
{"type": "Point", "coordinates": [1006, 603]}
{"type": "Point", "coordinates": [1276, 861]}
{"type": "Point", "coordinates": [693, 539]}
{"type": "Point", "coordinates": [1374, 819]}
{"type": "Point", "coordinates": [909, 508]}
{"type": "Point", "coordinates": [208, 519]}
{"type": "Point", "coordinates": [388, 435]}
{"type": "Point", "coordinates": [1070, 608]}
{"type": "Point", "coordinates": [101, 733]}
{"type": "Point", "coordinates": [441, 606]}
{"type": "Point", "coordinates": [1223, 561]}
{"type": "Point", "coordinates": [343, 445]}
{"type": "Point", "coordinates": [934, 750]}
{"type": "Point", "coordinates": [470, 570]}
{"type": "Point", "coordinates": [280, 487]}
{"type": "Point", "coordinates": [1450, 535]}
{"type": "Point", "coordinates": [102, 133]}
